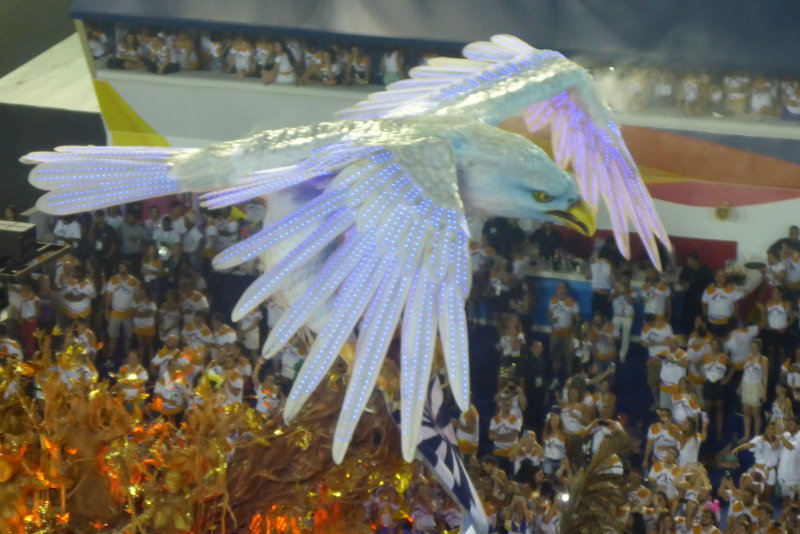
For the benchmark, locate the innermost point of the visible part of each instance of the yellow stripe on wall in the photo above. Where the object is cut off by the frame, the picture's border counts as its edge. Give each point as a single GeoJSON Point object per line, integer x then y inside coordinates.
{"type": "Point", "coordinates": [125, 126]}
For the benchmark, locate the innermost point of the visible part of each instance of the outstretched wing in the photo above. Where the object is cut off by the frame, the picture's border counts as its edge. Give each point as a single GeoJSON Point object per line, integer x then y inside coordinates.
{"type": "Point", "coordinates": [392, 233]}
{"type": "Point", "coordinates": [506, 77]}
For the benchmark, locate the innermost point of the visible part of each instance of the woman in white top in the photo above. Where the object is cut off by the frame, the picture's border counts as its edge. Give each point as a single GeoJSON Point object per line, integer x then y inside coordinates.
{"type": "Point", "coordinates": [284, 68]}
{"type": "Point", "coordinates": [555, 443]}
{"type": "Point", "coordinates": [753, 388]}
{"type": "Point", "coordinates": [689, 441]}
{"type": "Point", "coordinates": [766, 450]}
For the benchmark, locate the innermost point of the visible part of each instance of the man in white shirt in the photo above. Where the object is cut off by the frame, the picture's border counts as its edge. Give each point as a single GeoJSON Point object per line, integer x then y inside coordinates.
{"type": "Point", "coordinates": [67, 231]}
{"type": "Point", "coordinates": [563, 313]}
{"type": "Point", "coordinates": [191, 240]}
{"type": "Point", "coordinates": [789, 461]}
{"type": "Point", "coordinates": [720, 305]}
{"type": "Point", "coordinates": [602, 276]}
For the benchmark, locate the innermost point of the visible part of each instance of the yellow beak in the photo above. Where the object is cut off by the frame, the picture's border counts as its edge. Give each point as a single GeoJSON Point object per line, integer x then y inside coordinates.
{"type": "Point", "coordinates": [580, 217]}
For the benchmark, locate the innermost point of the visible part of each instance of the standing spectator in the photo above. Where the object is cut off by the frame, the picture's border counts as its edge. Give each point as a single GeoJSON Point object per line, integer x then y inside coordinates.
{"type": "Point", "coordinates": [169, 316]}
{"type": "Point", "coordinates": [674, 362]}
{"type": "Point", "coordinates": [654, 337]}
{"type": "Point", "coordinates": [603, 336]}
{"type": "Point", "coordinates": [661, 436]}
{"type": "Point", "coordinates": [694, 278]}
{"type": "Point", "coordinates": [601, 428]}
{"type": "Point", "coordinates": [78, 294]}
{"type": "Point", "coordinates": [67, 231]}
{"type": "Point", "coordinates": [656, 296]}
{"type": "Point", "coordinates": [84, 337]}
{"type": "Point", "coordinates": [392, 66]}
{"type": "Point", "coordinates": [144, 321]}
{"type": "Point", "coordinates": [191, 301]}
{"type": "Point", "coordinates": [665, 474]}
{"type": "Point", "coordinates": [575, 415]}
{"type": "Point", "coordinates": [717, 372]}
{"type": "Point", "coordinates": [601, 273]}
{"type": "Point", "coordinates": [128, 55]}
{"type": "Point", "coordinates": [504, 429]}
{"type": "Point", "coordinates": [228, 230]}
{"type": "Point", "coordinates": [563, 314]}
{"type": "Point", "coordinates": [196, 334]}
{"type": "Point", "coordinates": [737, 343]}
{"type": "Point", "coordinates": [118, 304]}
{"type": "Point", "coordinates": [166, 236]}
{"type": "Point", "coordinates": [697, 346]}
{"type": "Point", "coordinates": [162, 57]}
{"type": "Point", "coordinates": [754, 388]}
{"type": "Point", "coordinates": [774, 272]}
{"type": "Point", "coordinates": [152, 270]}
{"type": "Point", "coordinates": [766, 450]}
{"type": "Point", "coordinates": [114, 218]}
{"type": "Point", "coordinates": [534, 382]}
{"type": "Point", "coordinates": [104, 242]}
{"type": "Point", "coordinates": [467, 431]}
{"type": "Point", "coordinates": [358, 67]}
{"type": "Point", "coordinates": [792, 240]}
{"type": "Point", "coordinates": [789, 461]}
{"type": "Point", "coordinates": [132, 379]}
{"type": "Point", "coordinates": [249, 330]}
{"type": "Point", "coordinates": [132, 237]}
{"type": "Point", "coordinates": [720, 305]}
{"type": "Point", "coordinates": [283, 70]}
{"type": "Point", "coordinates": [223, 334]}
{"type": "Point", "coordinates": [547, 239]}
{"type": "Point", "coordinates": [623, 299]}
{"type": "Point", "coordinates": [153, 221]}
{"type": "Point", "coordinates": [9, 347]}
{"type": "Point", "coordinates": [191, 241]}
{"type": "Point", "coordinates": [504, 235]}
{"type": "Point", "coordinates": [29, 317]}
{"type": "Point", "coordinates": [777, 318]}
{"type": "Point", "coordinates": [555, 443]}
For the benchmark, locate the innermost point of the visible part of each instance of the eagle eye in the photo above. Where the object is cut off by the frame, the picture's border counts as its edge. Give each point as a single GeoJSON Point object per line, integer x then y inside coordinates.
{"type": "Point", "coordinates": [541, 196]}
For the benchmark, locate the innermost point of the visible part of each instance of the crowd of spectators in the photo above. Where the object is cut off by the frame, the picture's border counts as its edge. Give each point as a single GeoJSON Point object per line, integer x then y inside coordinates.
{"type": "Point", "coordinates": [283, 60]}
{"type": "Point", "coordinates": [287, 60]}
{"type": "Point", "coordinates": [700, 93]}
{"type": "Point", "coordinates": [137, 294]}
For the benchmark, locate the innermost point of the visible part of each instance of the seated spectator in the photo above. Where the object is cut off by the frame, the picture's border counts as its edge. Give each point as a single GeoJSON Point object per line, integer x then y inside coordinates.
{"type": "Point", "coordinates": [99, 44]}
{"type": "Point", "coordinates": [184, 52]}
{"type": "Point", "coordinates": [392, 66]}
{"type": "Point", "coordinates": [213, 50]}
{"type": "Point", "coordinates": [790, 100]}
{"type": "Point", "coordinates": [737, 91]}
{"type": "Point", "coordinates": [284, 69]}
{"type": "Point", "coordinates": [241, 57]}
{"type": "Point", "coordinates": [358, 67]}
{"type": "Point", "coordinates": [162, 57]}
{"type": "Point", "coordinates": [763, 97]}
{"type": "Point", "coordinates": [128, 55]}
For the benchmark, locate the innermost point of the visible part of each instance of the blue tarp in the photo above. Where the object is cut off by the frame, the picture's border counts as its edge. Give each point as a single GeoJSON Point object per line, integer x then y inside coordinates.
{"type": "Point", "coordinates": [757, 36]}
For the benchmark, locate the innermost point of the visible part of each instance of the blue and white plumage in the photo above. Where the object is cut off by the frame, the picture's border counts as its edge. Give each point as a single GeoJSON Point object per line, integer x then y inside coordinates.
{"type": "Point", "coordinates": [367, 218]}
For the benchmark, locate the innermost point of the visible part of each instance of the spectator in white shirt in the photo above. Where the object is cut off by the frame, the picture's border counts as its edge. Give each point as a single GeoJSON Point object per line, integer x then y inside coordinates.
{"type": "Point", "coordinates": [67, 231]}
{"type": "Point", "coordinates": [789, 461]}
{"type": "Point", "coordinates": [191, 241]}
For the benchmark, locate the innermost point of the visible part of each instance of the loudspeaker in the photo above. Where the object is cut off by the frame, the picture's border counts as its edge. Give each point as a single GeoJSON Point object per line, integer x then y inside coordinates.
{"type": "Point", "coordinates": [17, 240]}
